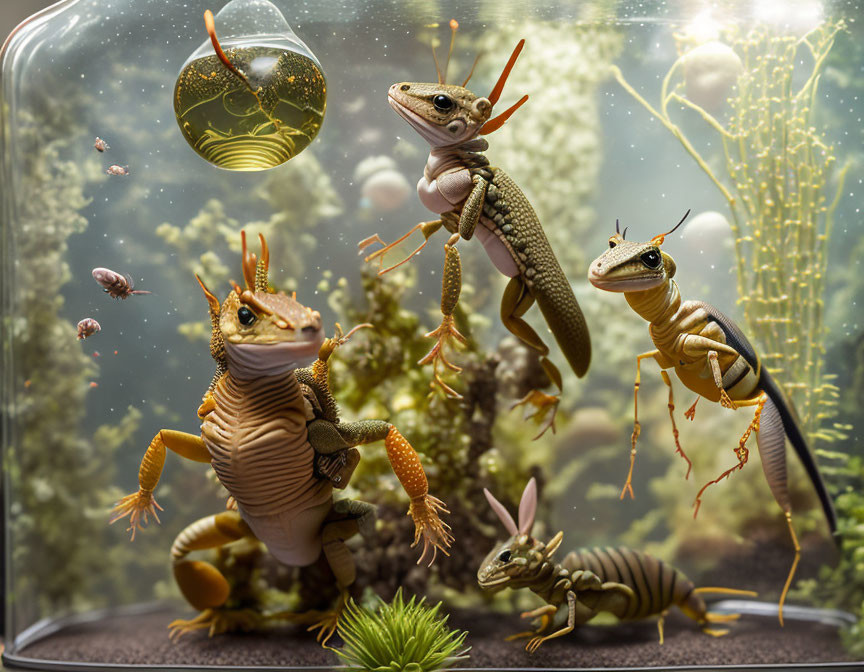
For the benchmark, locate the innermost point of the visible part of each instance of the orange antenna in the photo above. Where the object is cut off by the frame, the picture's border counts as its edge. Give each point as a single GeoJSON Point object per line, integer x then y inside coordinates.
{"type": "Point", "coordinates": [265, 252]}
{"type": "Point", "coordinates": [658, 240]}
{"type": "Point", "coordinates": [470, 74]}
{"type": "Point", "coordinates": [454, 26]}
{"type": "Point", "coordinates": [499, 87]}
{"type": "Point", "coordinates": [442, 76]}
{"type": "Point", "coordinates": [236, 288]}
{"type": "Point", "coordinates": [211, 298]}
{"type": "Point", "coordinates": [497, 122]}
{"type": "Point", "coordinates": [250, 264]}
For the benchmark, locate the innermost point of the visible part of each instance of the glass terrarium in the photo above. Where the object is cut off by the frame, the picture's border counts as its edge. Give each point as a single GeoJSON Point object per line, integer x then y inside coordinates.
{"type": "Point", "coordinates": [139, 139]}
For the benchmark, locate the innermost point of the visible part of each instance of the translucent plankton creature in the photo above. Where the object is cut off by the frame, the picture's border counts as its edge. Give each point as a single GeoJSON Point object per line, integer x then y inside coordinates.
{"type": "Point", "coordinates": [87, 327]}
{"type": "Point", "coordinates": [114, 284]}
{"type": "Point", "coordinates": [100, 145]}
{"type": "Point", "coordinates": [122, 171]}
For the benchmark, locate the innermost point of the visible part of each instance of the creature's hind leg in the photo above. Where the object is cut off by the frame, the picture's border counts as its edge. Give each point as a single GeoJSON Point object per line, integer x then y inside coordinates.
{"type": "Point", "coordinates": [201, 583]}
{"type": "Point", "coordinates": [637, 428]}
{"type": "Point", "coordinates": [771, 440]}
{"type": "Point", "coordinates": [515, 303]}
{"type": "Point", "coordinates": [671, 405]}
{"type": "Point", "coordinates": [447, 335]}
{"type": "Point", "coordinates": [544, 613]}
{"type": "Point", "coordinates": [741, 452]}
{"type": "Point", "coordinates": [347, 518]}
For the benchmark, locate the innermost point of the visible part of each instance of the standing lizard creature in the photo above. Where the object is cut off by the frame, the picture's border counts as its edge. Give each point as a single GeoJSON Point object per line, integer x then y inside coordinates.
{"type": "Point", "coordinates": [714, 359]}
{"type": "Point", "coordinates": [629, 584]}
{"type": "Point", "coordinates": [471, 197]}
{"type": "Point", "coordinates": [271, 432]}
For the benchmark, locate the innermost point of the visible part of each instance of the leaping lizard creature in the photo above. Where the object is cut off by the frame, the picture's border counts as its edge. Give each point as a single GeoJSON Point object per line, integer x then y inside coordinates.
{"type": "Point", "coordinates": [270, 431]}
{"type": "Point", "coordinates": [473, 197]}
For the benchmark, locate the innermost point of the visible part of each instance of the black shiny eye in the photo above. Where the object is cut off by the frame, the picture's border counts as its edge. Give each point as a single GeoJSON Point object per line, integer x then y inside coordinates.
{"type": "Point", "coordinates": [651, 259]}
{"type": "Point", "coordinates": [504, 556]}
{"type": "Point", "coordinates": [404, 87]}
{"type": "Point", "coordinates": [442, 103]}
{"type": "Point", "coordinates": [245, 316]}
{"type": "Point", "coordinates": [612, 244]}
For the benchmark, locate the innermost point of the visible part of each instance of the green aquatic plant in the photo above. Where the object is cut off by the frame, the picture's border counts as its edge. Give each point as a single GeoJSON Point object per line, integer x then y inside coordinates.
{"type": "Point", "coordinates": [399, 637]}
{"type": "Point", "coordinates": [776, 182]}
{"type": "Point", "coordinates": [841, 585]}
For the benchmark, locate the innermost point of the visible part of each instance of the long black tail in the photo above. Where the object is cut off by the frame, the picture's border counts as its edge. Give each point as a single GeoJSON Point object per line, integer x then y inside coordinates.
{"type": "Point", "coordinates": [796, 438]}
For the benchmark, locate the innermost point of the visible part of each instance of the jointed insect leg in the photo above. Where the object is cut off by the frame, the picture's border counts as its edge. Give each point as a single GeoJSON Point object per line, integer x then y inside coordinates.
{"type": "Point", "coordinates": [427, 228]}
{"type": "Point", "coordinates": [792, 569]}
{"type": "Point", "coordinates": [637, 428]}
{"type": "Point", "coordinates": [714, 362]}
{"type": "Point", "coordinates": [671, 405]}
{"type": "Point", "coordinates": [544, 613]}
{"type": "Point", "coordinates": [535, 642]}
{"type": "Point", "coordinates": [741, 452]}
{"type": "Point", "coordinates": [660, 621]}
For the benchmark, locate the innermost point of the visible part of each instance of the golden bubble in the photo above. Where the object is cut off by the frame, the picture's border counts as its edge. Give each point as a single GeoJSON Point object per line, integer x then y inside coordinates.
{"type": "Point", "coordinates": [254, 97]}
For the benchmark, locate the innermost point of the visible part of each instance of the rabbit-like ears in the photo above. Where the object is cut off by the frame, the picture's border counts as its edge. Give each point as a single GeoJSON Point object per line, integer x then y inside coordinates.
{"type": "Point", "coordinates": [527, 510]}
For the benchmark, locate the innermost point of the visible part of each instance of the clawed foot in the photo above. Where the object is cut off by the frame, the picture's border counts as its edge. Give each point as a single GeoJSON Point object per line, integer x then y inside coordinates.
{"type": "Point", "coordinates": [534, 643]}
{"type": "Point", "coordinates": [690, 413]}
{"type": "Point", "coordinates": [426, 512]}
{"type": "Point", "coordinates": [547, 408]}
{"type": "Point", "coordinates": [323, 621]}
{"type": "Point", "coordinates": [139, 506]}
{"type": "Point", "coordinates": [726, 401]}
{"type": "Point", "coordinates": [339, 338]}
{"type": "Point", "coordinates": [216, 622]}
{"type": "Point", "coordinates": [447, 335]}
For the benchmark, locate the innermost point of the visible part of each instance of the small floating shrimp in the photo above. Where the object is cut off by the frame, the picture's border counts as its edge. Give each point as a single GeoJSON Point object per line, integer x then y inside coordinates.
{"type": "Point", "coordinates": [117, 170]}
{"type": "Point", "coordinates": [100, 145]}
{"type": "Point", "coordinates": [114, 284]}
{"type": "Point", "coordinates": [87, 327]}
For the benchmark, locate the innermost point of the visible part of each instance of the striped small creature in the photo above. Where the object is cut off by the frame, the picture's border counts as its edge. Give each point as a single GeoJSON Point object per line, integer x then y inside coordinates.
{"type": "Point", "coordinates": [626, 583]}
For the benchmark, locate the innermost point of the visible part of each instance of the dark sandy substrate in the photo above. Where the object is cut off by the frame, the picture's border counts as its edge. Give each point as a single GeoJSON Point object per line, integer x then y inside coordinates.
{"type": "Point", "coordinates": [143, 639]}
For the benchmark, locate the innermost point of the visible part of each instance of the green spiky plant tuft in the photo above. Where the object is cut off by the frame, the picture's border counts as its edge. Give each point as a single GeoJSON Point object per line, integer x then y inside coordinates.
{"type": "Point", "coordinates": [400, 636]}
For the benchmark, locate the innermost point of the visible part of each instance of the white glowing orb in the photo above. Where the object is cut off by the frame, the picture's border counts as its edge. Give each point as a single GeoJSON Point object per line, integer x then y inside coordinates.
{"type": "Point", "coordinates": [710, 72]}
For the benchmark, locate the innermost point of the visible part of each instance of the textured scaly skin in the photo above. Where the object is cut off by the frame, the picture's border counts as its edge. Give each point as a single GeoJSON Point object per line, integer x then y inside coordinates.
{"type": "Point", "coordinates": [257, 437]}
{"type": "Point", "coordinates": [508, 215]}
{"type": "Point", "coordinates": [255, 433]}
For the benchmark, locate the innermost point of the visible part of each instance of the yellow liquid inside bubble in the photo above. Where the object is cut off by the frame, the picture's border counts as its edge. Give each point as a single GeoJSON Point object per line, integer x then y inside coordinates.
{"type": "Point", "coordinates": [252, 121]}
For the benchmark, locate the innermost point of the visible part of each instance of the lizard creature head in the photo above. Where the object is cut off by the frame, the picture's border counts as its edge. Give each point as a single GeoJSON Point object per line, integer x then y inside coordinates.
{"type": "Point", "coordinates": [262, 332]}
{"type": "Point", "coordinates": [447, 115]}
{"type": "Point", "coordinates": [517, 562]}
{"type": "Point", "coordinates": [628, 266]}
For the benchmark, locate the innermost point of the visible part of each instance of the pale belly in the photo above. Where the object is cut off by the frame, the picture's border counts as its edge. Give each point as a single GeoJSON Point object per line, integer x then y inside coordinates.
{"type": "Point", "coordinates": [292, 539]}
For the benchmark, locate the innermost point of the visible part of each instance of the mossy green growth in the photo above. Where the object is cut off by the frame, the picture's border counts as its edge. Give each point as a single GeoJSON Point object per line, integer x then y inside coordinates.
{"type": "Point", "coordinates": [840, 585]}
{"type": "Point", "coordinates": [777, 165]}
{"type": "Point", "coordinates": [400, 636]}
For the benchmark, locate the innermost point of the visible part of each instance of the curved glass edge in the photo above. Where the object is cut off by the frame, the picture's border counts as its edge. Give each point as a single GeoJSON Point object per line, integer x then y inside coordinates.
{"type": "Point", "coordinates": [15, 44]}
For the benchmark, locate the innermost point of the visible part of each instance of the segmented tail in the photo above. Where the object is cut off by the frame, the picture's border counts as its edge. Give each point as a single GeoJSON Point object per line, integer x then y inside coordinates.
{"type": "Point", "coordinates": [796, 438]}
